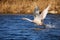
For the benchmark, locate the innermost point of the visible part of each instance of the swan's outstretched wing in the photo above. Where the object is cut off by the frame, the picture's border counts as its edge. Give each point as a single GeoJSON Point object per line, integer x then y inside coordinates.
{"type": "Point", "coordinates": [36, 11]}
{"type": "Point", "coordinates": [44, 13]}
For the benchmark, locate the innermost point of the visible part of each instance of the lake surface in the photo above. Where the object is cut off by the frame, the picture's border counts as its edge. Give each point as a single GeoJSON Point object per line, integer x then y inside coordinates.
{"type": "Point", "coordinates": [12, 27]}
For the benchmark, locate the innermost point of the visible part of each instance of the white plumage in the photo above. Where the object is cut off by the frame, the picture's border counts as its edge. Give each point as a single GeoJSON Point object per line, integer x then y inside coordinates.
{"type": "Point", "coordinates": [38, 18]}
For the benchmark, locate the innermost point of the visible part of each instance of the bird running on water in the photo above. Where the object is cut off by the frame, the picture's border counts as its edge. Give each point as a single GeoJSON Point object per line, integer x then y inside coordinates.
{"type": "Point", "coordinates": [38, 18]}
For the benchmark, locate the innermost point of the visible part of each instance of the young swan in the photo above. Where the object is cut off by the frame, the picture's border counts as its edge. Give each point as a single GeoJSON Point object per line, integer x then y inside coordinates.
{"type": "Point", "coordinates": [38, 18]}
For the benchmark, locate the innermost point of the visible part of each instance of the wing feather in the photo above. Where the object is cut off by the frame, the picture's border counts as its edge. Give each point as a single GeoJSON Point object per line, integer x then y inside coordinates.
{"type": "Point", "coordinates": [44, 13]}
{"type": "Point", "coordinates": [36, 11]}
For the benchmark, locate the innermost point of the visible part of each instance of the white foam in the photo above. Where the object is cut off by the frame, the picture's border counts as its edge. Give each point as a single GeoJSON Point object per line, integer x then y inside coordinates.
{"type": "Point", "coordinates": [50, 25]}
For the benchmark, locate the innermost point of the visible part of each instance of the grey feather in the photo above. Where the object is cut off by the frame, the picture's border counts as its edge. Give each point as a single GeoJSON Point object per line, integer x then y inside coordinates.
{"type": "Point", "coordinates": [36, 11]}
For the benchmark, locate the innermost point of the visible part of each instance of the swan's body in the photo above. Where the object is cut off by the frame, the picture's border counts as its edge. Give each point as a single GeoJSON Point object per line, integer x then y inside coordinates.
{"type": "Point", "coordinates": [38, 18]}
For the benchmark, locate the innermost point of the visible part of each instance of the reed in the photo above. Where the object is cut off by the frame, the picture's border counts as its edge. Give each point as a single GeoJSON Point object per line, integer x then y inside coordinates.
{"type": "Point", "coordinates": [27, 6]}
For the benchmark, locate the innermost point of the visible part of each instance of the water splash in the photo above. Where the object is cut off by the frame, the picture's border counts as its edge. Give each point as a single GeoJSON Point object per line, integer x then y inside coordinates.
{"type": "Point", "coordinates": [50, 25]}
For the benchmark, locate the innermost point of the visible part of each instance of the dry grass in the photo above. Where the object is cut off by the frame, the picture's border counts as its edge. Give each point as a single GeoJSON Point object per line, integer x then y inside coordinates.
{"type": "Point", "coordinates": [27, 6]}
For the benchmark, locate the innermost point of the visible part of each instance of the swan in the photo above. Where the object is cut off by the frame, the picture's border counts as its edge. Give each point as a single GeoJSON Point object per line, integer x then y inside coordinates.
{"type": "Point", "coordinates": [38, 18]}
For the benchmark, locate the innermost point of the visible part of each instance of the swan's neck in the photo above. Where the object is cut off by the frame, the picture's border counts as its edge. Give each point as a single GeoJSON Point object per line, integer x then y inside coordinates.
{"type": "Point", "coordinates": [28, 19]}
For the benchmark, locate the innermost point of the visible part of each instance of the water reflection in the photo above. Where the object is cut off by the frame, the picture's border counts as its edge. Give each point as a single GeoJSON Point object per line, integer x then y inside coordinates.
{"type": "Point", "coordinates": [12, 27]}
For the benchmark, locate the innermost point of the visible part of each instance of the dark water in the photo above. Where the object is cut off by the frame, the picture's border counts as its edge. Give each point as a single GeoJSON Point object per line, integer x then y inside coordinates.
{"type": "Point", "coordinates": [12, 27]}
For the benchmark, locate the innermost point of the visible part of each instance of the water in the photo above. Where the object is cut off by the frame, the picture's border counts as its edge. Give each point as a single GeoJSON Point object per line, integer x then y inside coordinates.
{"type": "Point", "coordinates": [12, 27]}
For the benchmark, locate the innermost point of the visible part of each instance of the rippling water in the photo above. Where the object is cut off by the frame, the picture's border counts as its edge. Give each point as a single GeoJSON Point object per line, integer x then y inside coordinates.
{"type": "Point", "coordinates": [12, 27]}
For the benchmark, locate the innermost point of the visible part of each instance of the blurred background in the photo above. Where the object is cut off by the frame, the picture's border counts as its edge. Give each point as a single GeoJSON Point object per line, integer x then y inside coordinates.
{"type": "Point", "coordinates": [12, 27]}
{"type": "Point", "coordinates": [27, 6]}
